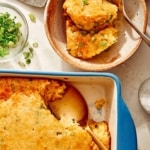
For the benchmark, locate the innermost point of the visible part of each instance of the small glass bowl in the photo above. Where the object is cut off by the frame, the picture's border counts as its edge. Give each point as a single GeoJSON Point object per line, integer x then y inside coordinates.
{"type": "Point", "coordinates": [24, 29]}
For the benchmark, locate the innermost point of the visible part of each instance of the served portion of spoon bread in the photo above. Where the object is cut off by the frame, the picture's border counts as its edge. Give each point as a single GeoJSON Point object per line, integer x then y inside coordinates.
{"type": "Point", "coordinates": [90, 27]}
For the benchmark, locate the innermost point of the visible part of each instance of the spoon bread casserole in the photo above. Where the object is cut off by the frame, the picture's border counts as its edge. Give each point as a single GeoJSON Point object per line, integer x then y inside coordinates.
{"type": "Point", "coordinates": [27, 123]}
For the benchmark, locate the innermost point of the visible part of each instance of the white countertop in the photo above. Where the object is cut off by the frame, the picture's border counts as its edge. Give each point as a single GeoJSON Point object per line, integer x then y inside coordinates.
{"type": "Point", "coordinates": [131, 73]}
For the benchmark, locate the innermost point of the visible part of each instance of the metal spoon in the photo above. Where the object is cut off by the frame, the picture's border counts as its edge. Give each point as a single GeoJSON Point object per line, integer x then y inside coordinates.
{"type": "Point", "coordinates": [73, 106]}
{"type": "Point", "coordinates": [121, 6]}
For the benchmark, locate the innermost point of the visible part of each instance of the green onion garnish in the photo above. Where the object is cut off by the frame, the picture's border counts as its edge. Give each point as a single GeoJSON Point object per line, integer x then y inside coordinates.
{"type": "Point", "coordinates": [9, 33]}
{"type": "Point", "coordinates": [32, 17]}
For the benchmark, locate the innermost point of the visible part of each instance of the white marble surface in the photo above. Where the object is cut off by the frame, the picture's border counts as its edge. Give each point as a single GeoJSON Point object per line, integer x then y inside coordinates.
{"type": "Point", "coordinates": [131, 74]}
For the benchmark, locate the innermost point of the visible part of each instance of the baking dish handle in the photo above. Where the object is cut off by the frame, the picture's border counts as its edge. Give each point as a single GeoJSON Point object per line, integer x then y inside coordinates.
{"type": "Point", "coordinates": [127, 137]}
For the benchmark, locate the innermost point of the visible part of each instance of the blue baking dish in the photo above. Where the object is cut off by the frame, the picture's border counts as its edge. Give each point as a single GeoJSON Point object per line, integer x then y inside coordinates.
{"type": "Point", "coordinates": [95, 85]}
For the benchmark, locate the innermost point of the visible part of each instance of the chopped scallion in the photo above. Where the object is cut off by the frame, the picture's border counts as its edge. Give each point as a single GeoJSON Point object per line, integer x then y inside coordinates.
{"type": "Point", "coordinates": [9, 33]}
{"type": "Point", "coordinates": [32, 17]}
{"type": "Point", "coordinates": [85, 2]}
{"type": "Point", "coordinates": [35, 45]}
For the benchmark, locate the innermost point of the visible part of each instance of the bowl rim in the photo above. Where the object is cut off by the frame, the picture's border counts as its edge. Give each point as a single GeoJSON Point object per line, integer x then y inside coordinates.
{"type": "Point", "coordinates": [19, 12]}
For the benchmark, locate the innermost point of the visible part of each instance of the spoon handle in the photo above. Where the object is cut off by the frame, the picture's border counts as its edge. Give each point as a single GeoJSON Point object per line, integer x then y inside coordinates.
{"type": "Point", "coordinates": [96, 140]}
{"type": "Point", "coordinates": [121, 6]}
{"type": "Point", "coordinates": [143, 36]}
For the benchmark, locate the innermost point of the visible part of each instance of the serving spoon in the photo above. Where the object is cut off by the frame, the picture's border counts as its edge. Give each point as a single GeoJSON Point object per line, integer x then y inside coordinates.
{"type": "Point", "coordinates": [121, 6]}
{"type": "Point", "coordinates": [74, 107]}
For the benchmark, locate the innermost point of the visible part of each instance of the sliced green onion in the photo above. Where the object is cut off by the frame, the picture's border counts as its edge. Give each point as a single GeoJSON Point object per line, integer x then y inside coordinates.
{"type": "Point", "coordinates": [22, 64]}
{"type": "Point", "coordinates": [9, 33]}
{"type": "Point", "coordinates": [28, 61]}
{"type": "Point", "coordinates": [32, 17]}
{"type": "Point", "coordinates": [35, 45]}
{"type": "Point", "coordinates": [85, 2]}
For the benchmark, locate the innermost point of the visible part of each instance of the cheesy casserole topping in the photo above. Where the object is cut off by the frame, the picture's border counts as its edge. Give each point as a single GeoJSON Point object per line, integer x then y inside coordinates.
{"type": "Point", "coordinates": [27, 124]}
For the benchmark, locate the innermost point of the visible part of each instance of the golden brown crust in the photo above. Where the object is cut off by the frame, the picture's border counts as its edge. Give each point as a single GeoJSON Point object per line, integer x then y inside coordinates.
{"type": "Point", "coordinates": [26, 122]}
{"type": "Point", "coordinates": [50, 90]}
{"type": "Point", "coordinates": [55, 90]}
{"type": "Point", "coordinates": [90, 27]}
{"type": "Point", "coordinates": [89, 14]}
{"type": "Point", "coordinates": [85, 45]}
{"type": "Point", "coordinates": [100, 103]}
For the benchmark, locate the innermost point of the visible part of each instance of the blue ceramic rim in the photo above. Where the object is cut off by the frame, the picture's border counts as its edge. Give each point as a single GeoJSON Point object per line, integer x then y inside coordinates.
{"type": "Point", "coordinates": [126, 131]}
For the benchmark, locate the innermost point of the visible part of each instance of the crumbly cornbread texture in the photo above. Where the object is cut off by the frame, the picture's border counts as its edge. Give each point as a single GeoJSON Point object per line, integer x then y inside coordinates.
{"type": "Point", "coordinates": [85, 45]}
{"type": "Point", "coordinates": [91, 14]}
{"type": "Point", "coordinates": [26, 123]}
{"type": "Point", "coordinates": [90, 27]}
